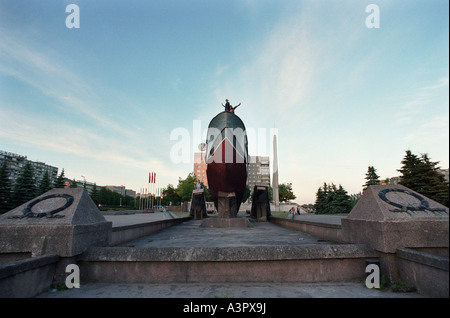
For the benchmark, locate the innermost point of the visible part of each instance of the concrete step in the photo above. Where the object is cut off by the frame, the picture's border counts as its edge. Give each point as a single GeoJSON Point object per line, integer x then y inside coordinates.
{"type": "Point", "coordinates": [278, 264]}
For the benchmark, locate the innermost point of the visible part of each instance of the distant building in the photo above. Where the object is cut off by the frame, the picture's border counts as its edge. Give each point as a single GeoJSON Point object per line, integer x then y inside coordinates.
{"type": "Point", "coordinates": [121, 190]}
{"type": "Point", "coordinates": [275, 191]}
{"type": "Point", "coordinates": [258, 171]}
{"type": "Point", "coordinates": [15, 164]}
{"type": "Point", "coordinates": [392, 180]}
{"type": "Point", "coordinates": [200, 167]}
{"type": "Point", "coordinates": [89, 186]}
{"type": "Point", "coordinates": [395, 180]}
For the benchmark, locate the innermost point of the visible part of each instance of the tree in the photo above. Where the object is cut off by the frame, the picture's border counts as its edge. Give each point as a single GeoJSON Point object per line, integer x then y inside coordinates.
{"type": "Point", "coordinates": [371, 177]}
{"type": "Point", "coordinates": [73, 184]}
{"type": "Point", "coordinates": [208, 195]}
{"type": "Point", "coordinates": [25, 186]}
{"type": "Point", "coordinates": [94, 193]}
{"type": "Point", "coordinates": [270, 190]}
{"type": "Point", "coordinates": [436, 187]}
{"type": "Point", "coordinates": [186, 186]}
{"type": "Point", "coordinates": [331, 200]}
{"type": "Point", "coordinates": [108, 197]}
{"type": "Point", "coordinates": [246, 193]}
{"type": "Point", "coordinates": [321, 199]}
{"type": "Point", "coordinates": [59, 183]}
{"type": "Point", "coordinates": [170, 196]}
{"type": "Point", "coordinates": [409, 171]}
{"type": "Point", "coordinates": [421, 175]}
{"type": "Point", "coordinates": [285, 192]}
{"type": "Point", "coordinates": [5, 189]}
{"type": "Point", "coordinates": [45, 184]}
{"type": "Point", "coordinates": [342, 202]}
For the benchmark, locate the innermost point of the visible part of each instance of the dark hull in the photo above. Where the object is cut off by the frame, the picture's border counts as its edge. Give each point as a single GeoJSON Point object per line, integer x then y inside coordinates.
{"type": "Point", "coordinates": [226, 157]}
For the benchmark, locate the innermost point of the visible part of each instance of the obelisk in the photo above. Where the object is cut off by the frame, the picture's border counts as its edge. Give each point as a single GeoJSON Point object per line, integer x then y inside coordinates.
{"type": "Point", "coordinates": [276, 195]}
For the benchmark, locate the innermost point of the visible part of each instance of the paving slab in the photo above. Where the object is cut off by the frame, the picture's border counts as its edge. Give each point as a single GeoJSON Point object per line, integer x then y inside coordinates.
{"type": "Point", "coordinates": [320, 218]}
{"type": "Point", "coordinates": [235, 291]}
{"type": "Point", "coordinates": [137, 218]}
{"type": "Point", "coordinates": [191, 234]}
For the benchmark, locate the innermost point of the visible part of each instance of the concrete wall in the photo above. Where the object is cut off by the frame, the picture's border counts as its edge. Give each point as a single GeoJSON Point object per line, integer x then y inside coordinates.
{"type": "Point", "coordinates": [33, 275]}
{"type": "Point", "coordinates": [427, 272]}
{"type": "Point", "coordinates": [424, 268]}
{"type": "Point", "coordinates": [329, 232]}
{"type": "Point", "coordinates": [27, 278]}
{"type": "Point", "coordinates": [123, 234]}
{"type": "Point", "coordinates": [309, 263]}
{"type": "Point", "coordinates": [281, 264]}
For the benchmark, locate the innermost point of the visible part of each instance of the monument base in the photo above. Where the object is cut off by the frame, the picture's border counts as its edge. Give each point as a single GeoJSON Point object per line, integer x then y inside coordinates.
{"type": "Point", "coordinates": [227, 206]}
{"type": "Point", "coordinates": [198, 205]}
{"type": "Point", "coordinates": [217, 222]}
{"type": "Point", "coordinates": [260, 203]}
{"type": "Point", "coordinates": [393, 217]}
{"type": "Point", "coordinates": [388, 217]}
{"type": "Point", "coordinates": [65, 222]}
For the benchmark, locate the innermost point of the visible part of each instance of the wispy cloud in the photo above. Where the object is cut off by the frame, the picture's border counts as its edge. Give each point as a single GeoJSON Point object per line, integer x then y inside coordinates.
{"type": "Point", "coordinates": [414, 108]}
{"type": "Point", "coordinates": [42, 70]}
{"type": "Point", "coordinates": [443, 82]}
{"type": "Point", "coordinates": [76, 122]}
{"type": "Point", "coordinates": [75, 142]}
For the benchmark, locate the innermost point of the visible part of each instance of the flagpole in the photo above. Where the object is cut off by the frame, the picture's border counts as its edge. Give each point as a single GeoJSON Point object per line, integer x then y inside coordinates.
{"type": "Point", "coordinates": [150, 182]}
{"type": "Point", "coordinates": [153, 186]}
{"type": "Point", "coordinates": [154, 190]}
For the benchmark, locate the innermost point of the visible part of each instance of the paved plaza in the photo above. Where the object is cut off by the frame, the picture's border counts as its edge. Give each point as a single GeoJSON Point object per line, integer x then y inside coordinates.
{"type": "Point", "coordinates": [191, 234]}
{"type": "Point", "coordinates": [245, 290]}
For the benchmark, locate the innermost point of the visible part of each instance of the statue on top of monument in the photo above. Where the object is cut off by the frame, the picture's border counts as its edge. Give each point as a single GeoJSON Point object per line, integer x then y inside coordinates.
{"type": "Point", "coordinates": [228, 107]}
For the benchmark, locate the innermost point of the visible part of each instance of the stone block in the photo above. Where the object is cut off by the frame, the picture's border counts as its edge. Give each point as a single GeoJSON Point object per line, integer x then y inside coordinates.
{"type": "Point", "coordinates": [389, 217]}
{"type": "Point", "coordinates": [260, 203]}
{"type": "Point", "coordinates": [64, 222]}
{"type": "Point", "coordinates": [227, 205]}
{"type": "Point", "coordinates": [198, 205]}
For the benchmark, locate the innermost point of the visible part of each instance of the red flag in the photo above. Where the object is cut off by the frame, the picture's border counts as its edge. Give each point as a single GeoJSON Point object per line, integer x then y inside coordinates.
{"type": "Point", "coordinates": [154, 177]}
{"type": "Point", "coordinates": [149, 177]}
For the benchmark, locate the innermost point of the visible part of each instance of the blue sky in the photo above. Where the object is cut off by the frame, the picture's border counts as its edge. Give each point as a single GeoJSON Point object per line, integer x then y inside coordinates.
{"type": "Point", "coordinates": [112, 99]}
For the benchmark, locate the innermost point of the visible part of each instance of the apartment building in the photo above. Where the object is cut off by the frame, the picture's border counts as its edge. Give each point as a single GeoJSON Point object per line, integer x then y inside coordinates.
{"type": "Point", "coordinates": [15, 164]}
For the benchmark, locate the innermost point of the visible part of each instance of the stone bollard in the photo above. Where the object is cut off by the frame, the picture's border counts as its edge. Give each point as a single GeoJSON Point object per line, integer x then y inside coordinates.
{"type": "Point", "coordinates": [198, 204]}
{"type": "Point", "coordinates": [226, 205]}
{"type": "Point", "coordinates": [260, 203]}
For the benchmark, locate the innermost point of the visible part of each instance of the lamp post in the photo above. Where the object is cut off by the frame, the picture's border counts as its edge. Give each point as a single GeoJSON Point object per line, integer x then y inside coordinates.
{"type": "Point", "coordinates": [84, 182]}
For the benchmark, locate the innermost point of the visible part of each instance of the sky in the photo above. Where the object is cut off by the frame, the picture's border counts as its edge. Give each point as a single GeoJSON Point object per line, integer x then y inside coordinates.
{"type": "Point", "coordinates": [132, 89]}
